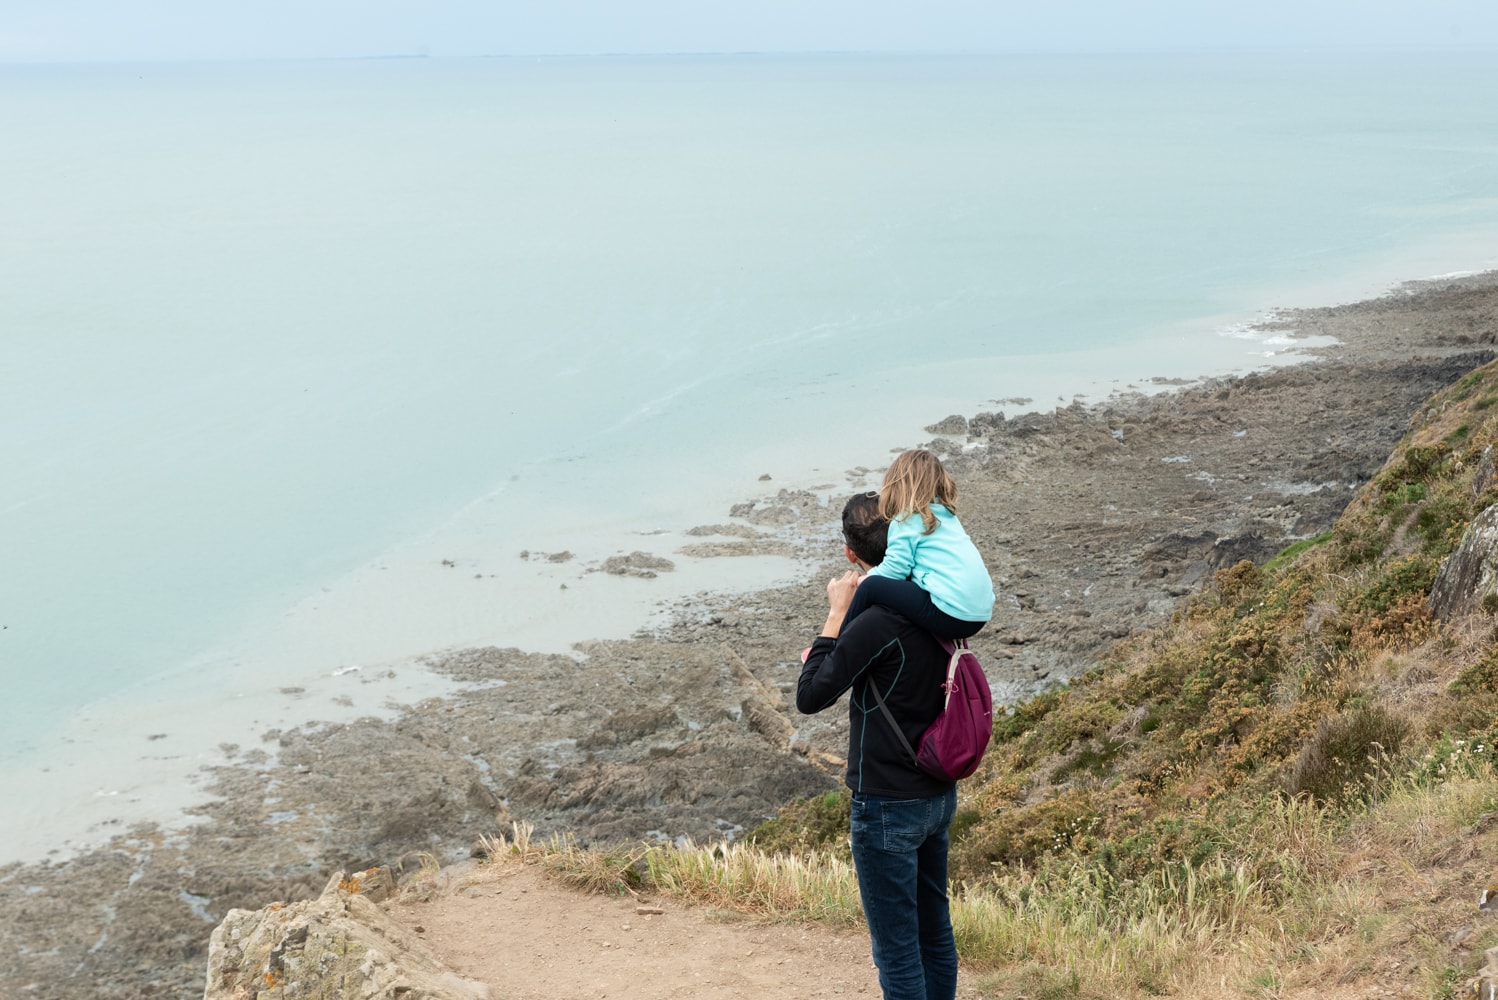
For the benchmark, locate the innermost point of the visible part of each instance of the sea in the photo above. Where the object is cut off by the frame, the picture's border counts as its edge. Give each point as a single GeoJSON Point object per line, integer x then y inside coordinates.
{"type": "Point", "coordinates": [297, 359]}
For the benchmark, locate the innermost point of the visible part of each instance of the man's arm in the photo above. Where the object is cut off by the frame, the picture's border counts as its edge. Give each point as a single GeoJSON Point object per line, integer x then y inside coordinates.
{"type": "Point", "coordinates": [840, 591]}
{"type": "Point", "coordinates": [834, 662]}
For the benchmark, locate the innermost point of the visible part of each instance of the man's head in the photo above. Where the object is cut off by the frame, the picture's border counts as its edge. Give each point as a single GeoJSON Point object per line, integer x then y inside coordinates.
{"type": "Point", "coordinates": [864, 530]}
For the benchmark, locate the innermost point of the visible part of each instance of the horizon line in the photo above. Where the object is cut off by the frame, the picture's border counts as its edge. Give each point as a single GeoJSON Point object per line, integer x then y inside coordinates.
{"type": "Point", "coordinates": [1308, 48]}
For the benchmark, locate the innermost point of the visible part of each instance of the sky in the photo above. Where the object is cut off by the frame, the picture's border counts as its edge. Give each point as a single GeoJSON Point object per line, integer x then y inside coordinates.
{"type": "Point", "coordinates": [149, 30]}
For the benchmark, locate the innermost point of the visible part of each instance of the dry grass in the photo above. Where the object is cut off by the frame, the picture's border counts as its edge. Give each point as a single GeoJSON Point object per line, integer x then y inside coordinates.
{"type": "Point", "coordinates": [815, 886]}
{"type": "Point", "coordinates": [1314, 905]}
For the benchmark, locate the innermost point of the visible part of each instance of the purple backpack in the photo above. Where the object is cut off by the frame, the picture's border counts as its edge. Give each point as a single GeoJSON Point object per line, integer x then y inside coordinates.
{"type": "Point", "coordinates": [953, 745]}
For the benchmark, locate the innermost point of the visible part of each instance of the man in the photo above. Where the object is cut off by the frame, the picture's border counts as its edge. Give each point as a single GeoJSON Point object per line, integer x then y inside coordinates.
{"type": "Point", "coordinates": [900, 814]}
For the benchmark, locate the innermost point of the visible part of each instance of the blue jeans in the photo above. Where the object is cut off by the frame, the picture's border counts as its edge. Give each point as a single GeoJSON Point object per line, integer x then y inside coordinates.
{"type": "Point", "coordinates": [900, 853]}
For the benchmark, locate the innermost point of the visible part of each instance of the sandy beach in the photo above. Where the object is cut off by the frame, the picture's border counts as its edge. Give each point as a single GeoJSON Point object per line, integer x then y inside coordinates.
{"type": "Point", "coordinates": [1095, 520]}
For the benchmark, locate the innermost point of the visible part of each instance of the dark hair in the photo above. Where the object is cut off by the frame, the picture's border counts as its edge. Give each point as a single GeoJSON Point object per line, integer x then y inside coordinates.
{"type": "Point", "coordinates": [864, 528]}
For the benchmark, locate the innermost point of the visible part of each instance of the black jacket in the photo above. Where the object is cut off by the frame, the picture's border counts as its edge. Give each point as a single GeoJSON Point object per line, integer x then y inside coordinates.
{"type": "Point", "coordinates": [909, 667]}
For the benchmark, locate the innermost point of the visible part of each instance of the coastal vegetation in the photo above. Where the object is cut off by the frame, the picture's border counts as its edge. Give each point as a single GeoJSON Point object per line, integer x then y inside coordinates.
{"type": "Point", "coordinates": [1287, 791]}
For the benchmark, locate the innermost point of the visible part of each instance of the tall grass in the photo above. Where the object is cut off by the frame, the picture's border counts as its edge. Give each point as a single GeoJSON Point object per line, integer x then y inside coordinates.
{"type": "Point", "coordinates": [1150, 937]}
{"type": "Point", "coordinates": [815, 886]}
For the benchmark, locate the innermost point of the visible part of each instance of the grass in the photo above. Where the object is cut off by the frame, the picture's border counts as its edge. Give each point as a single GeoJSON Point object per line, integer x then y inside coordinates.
{"type": "Point", "coordinates": [736, 878]}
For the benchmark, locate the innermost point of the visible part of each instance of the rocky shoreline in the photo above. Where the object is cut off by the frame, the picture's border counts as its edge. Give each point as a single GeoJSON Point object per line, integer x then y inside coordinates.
{"type": "Point", "coordinates": [1096, 520]}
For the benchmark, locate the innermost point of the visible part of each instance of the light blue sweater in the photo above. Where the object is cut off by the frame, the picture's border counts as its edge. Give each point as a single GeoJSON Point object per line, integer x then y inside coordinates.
{"type": "Point", "coordinates": [945, 564]}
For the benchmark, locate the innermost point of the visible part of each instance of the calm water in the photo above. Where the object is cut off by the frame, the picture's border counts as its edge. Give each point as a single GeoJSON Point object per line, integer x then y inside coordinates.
{"type": "Point", "coordinates": [276, 338]}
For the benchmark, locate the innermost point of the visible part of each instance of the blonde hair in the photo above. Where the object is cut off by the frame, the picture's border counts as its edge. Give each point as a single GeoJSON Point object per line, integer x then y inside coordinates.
{"type": "Point", "coordinates": [916, 480]}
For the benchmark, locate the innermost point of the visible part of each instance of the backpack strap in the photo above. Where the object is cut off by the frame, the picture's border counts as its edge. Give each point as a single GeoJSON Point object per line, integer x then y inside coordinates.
{"type": "Point", "coordinates": [900, 733]}
{"type": "Point", "coordinates": [951, 650]}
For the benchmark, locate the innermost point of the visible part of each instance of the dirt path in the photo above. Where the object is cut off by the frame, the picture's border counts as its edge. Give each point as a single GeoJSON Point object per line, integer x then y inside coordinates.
{"type": "Point", "coordinates": [513, 928]}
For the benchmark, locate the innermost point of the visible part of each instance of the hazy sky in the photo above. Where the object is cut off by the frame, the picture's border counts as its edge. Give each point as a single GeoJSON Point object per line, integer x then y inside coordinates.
{"type": "Point", "coordinates": [66, 30]}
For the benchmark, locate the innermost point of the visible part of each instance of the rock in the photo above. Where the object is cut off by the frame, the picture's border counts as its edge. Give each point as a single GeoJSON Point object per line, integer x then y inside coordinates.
{"type": "Point", "coordinates": [374, 884]}
{"type": "Point", "coordinates": [340, 946]}
{"type": "Point", "coordinates": [1485, 986]}
{"type": "Point", "coordinates": [481, 796]}
{"type": "Point", "coordinates": [741, 673]}
{"type": "Point", "coordinates": [955, 424]}
{"type": "Point", "coordinates": [1252, 545]}
{"type": "Point", "coordinates": [1470, 574]}
{"type": "Point", "coordinates": [637, 563]}
{"type": "Point", "coordinates": [731, 530]}
{"type": "Point", "coordinates": [1484, 477]}
{"type": "Point", "coordinates": [767, 722]}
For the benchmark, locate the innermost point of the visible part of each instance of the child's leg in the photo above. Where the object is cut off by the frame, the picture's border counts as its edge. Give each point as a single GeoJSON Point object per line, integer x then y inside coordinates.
{"type": "Point", "coordinates": [948, 627]}
{"type": "Point", "coordinates": [904, 596]}
{"type": "Point", "coordinates": [907, 598]}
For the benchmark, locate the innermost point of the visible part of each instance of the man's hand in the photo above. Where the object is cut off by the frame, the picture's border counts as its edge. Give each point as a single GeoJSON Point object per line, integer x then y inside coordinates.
{"type": "Point", "coordinates": [839, 595]}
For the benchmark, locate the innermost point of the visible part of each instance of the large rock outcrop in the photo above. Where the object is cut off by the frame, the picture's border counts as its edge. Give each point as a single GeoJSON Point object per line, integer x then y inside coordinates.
{"type": "Point", "coordinates": [1470, 574]}
{"type": "Point", "coordinates": [340, 946]}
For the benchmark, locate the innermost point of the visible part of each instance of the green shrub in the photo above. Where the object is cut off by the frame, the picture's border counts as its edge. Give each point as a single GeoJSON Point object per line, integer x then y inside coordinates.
{"type": "Point", "coordinates": [1288, 554]}
{"type": "Point", "coordinates": [1023, 834]}
{"type": "Point", "coordinates": [1410, 493]}
{"type": "Point", "coordinates": [1467, 383]}
{"type": "Point", "coordinates": [1095, 757]}
{"type": "Point", "coordinates": [1398, 580]}
{"type": "Point", "coordinates": [1025, 716]}
{"type": "Point", "coordinates": [1480, 678]}
{"type": "Point", "coordinates": [1347, 754]}
{"type": "Point", "coordinates": [818, 823]}
{"type": "Point", "coordinates": [1441, 523]}
{"type": "Point", "coordinates": [1416, 465]}
{"type": "Point", "coordinates": [1467, 755]}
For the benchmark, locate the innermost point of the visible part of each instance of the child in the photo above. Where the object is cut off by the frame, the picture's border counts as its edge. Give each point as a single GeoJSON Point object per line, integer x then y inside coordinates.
{"type": "Point", "coordinates": [931, 573]}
